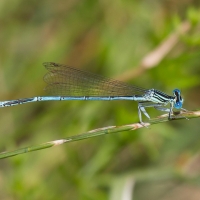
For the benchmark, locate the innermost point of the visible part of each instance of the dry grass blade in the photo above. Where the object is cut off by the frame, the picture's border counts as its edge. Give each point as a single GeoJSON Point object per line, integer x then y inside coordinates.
{"type": "Point", "coordinates": [103, 131]}
{"type": "Point", "coordinates": [154, 57]}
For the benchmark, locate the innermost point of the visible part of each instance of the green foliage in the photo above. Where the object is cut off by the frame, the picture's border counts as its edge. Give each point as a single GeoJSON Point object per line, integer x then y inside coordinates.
{"type": "Point", "coordinates": [109, 38]}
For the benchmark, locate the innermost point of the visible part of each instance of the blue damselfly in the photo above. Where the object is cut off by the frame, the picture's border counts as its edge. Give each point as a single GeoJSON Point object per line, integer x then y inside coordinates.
{"type": "Point", "coordinates": [68, 83]}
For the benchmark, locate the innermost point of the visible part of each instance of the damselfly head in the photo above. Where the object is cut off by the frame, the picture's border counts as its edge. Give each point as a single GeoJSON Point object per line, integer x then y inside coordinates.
{"type": "Point", "coordinates": [178, 101]}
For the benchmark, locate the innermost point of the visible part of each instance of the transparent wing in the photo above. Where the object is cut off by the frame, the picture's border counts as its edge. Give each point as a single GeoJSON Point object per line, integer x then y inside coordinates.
{"type": "Point", "coordinates": [63, 80]}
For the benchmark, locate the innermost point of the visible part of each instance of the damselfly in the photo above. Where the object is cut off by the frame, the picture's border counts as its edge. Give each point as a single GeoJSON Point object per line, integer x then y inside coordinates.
{"type": "Point", "coordinates": [68, 83]}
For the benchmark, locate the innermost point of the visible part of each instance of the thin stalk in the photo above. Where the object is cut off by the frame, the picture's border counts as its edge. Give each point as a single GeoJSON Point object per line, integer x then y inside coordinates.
{"type": "Point", "coordinates": [103, 131]}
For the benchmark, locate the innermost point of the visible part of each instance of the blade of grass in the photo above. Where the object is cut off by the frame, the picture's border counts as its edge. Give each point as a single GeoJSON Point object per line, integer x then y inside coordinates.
{"type": "Point", "coordinates": [103, 131]}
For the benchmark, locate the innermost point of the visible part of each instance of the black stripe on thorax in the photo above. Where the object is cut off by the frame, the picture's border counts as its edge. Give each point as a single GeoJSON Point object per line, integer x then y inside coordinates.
{"type": "Point", "coordinates": [161, 96]}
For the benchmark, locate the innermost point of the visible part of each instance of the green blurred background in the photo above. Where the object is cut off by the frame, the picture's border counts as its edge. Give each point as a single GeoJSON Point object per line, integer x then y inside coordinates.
{"type": "Point", "coordinates": [109, 38]}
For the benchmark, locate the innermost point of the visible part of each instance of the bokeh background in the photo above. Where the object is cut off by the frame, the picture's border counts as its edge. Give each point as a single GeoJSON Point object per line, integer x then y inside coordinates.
{"type": "Point", "coordinates": [110, 38]}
